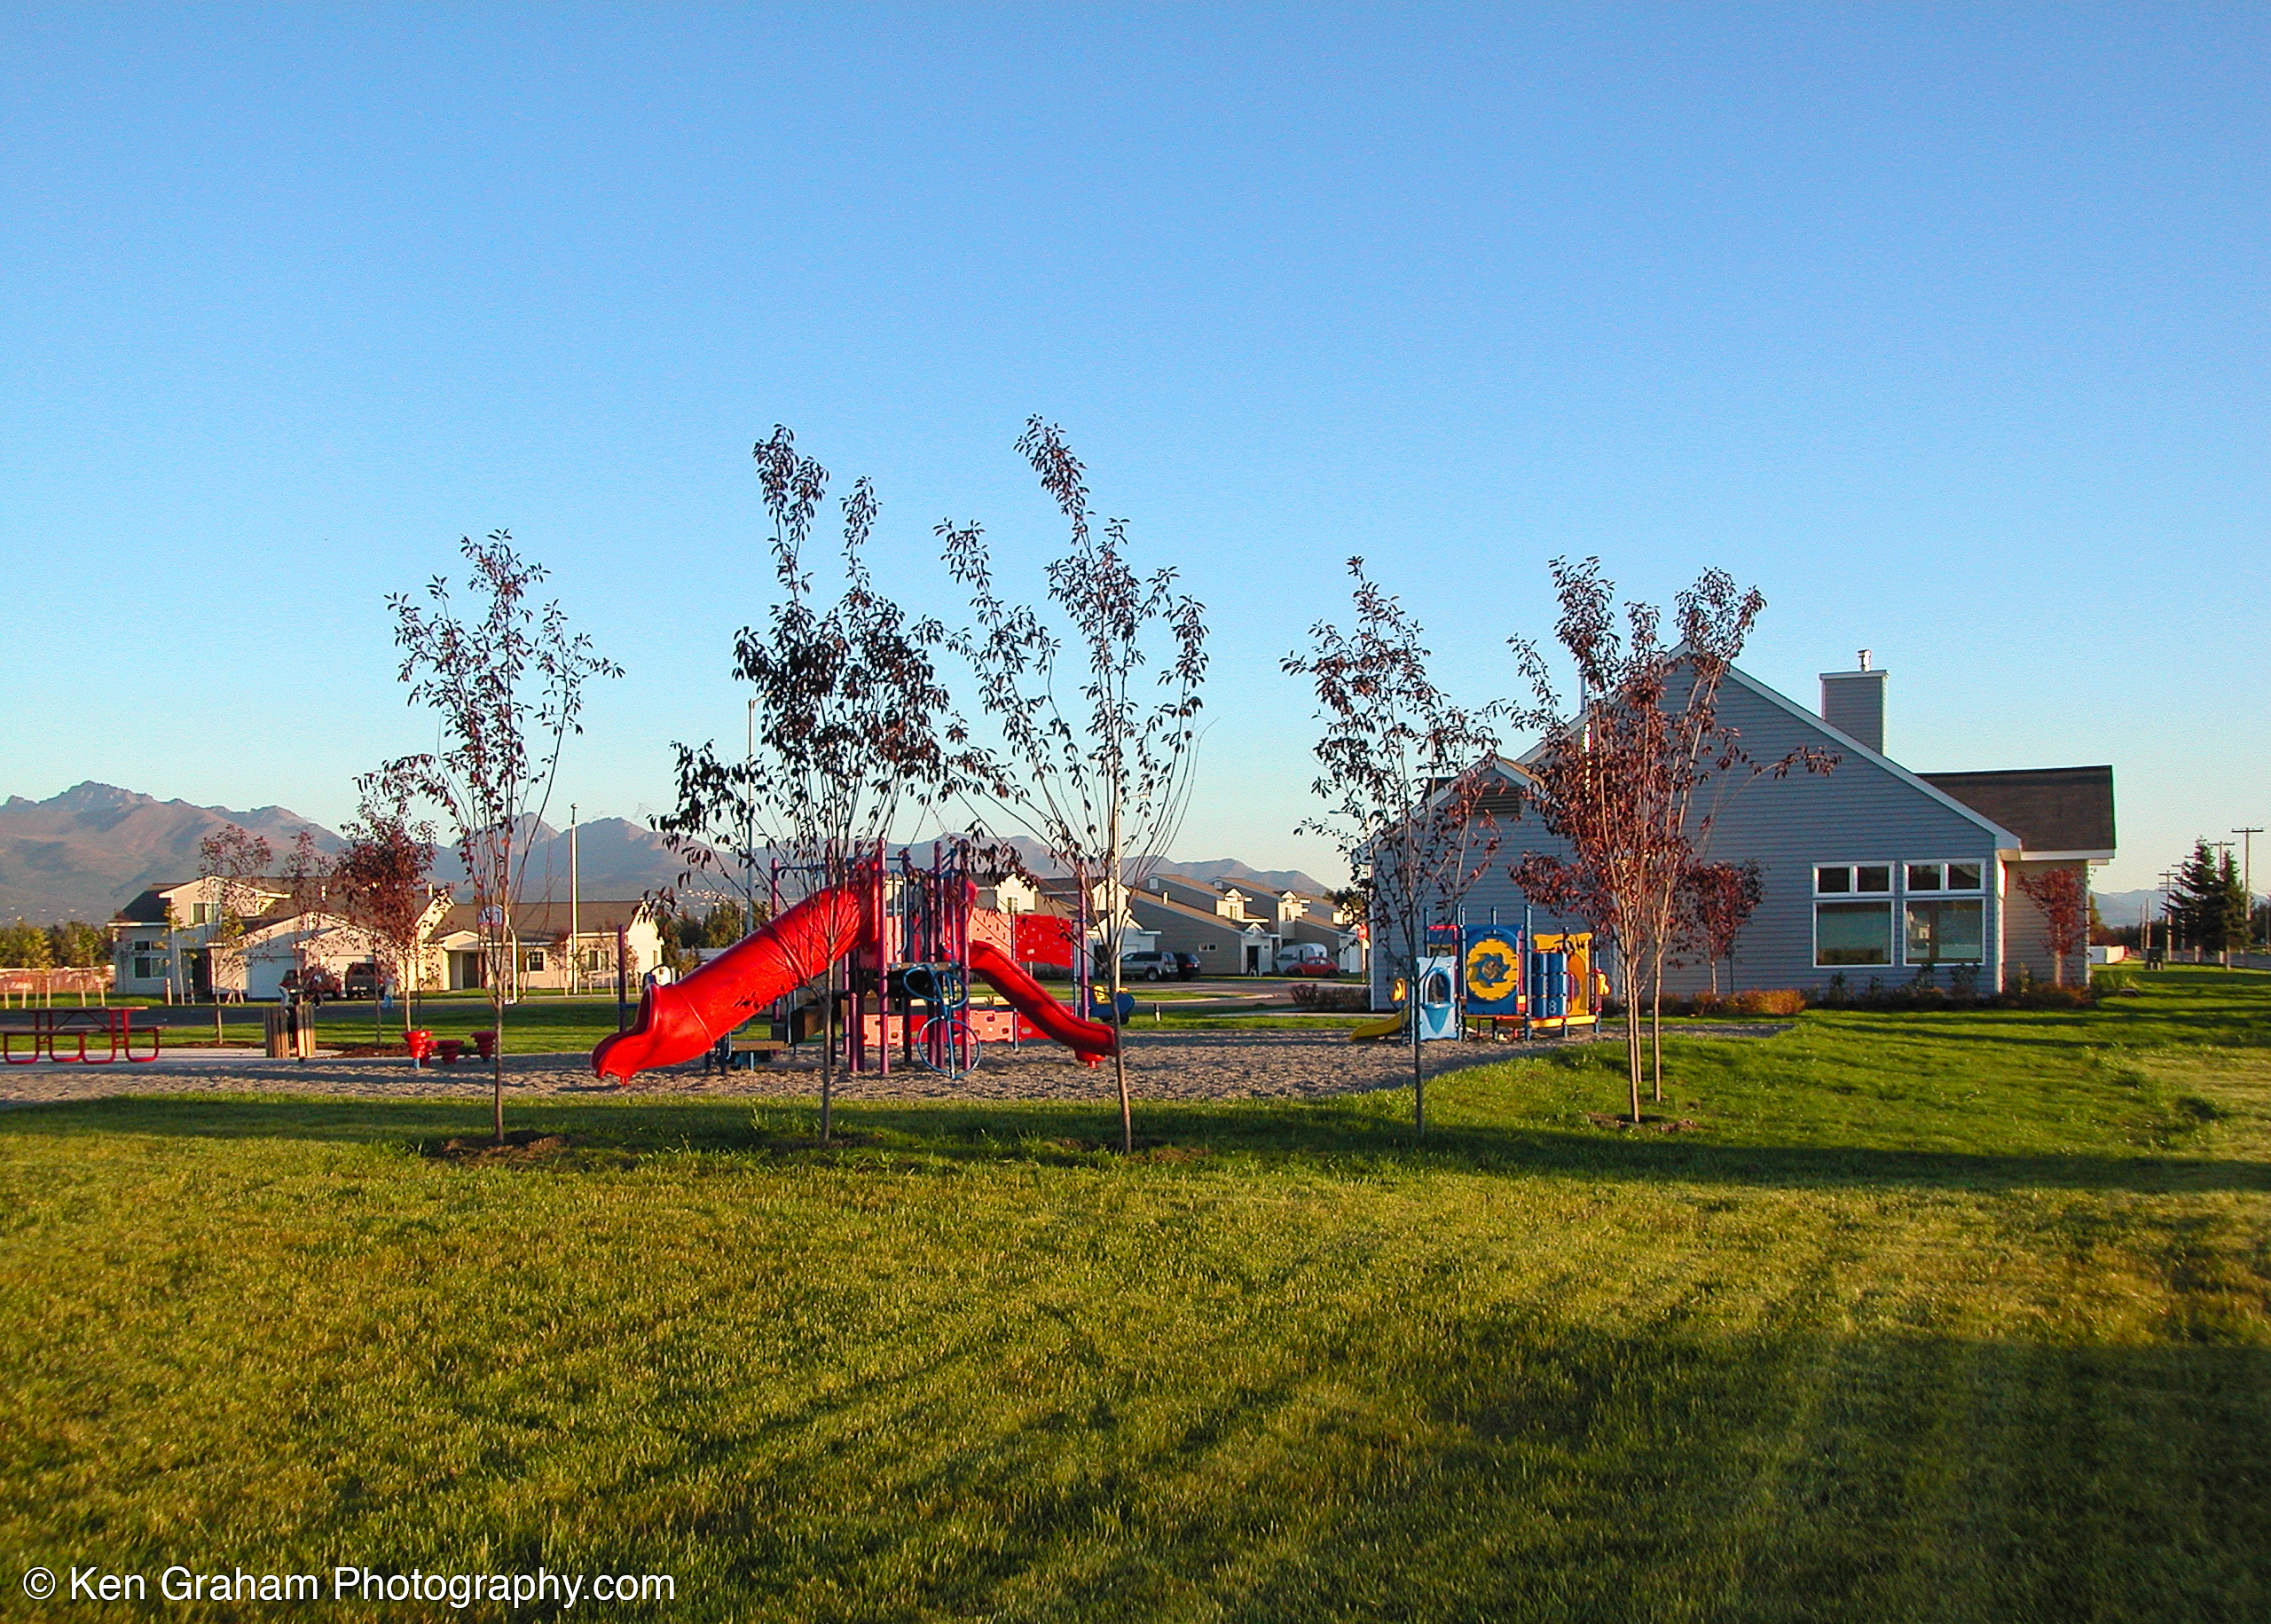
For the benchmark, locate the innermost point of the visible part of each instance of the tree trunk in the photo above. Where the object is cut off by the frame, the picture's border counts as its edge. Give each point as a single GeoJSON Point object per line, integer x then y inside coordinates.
{"type": "Point", "coordinates": [496, 1056]}
{"type": "Point", "coordinates": [1631, 1034]}
{"type": "Point", "coordinates": [828, 1057]}
{"type": "Point", "coordinates": [1113, 902]}
{"type": "Point", "coordinates": [1657, 1026]}
{"type": "Point", "coordinates": [1418, 1071]}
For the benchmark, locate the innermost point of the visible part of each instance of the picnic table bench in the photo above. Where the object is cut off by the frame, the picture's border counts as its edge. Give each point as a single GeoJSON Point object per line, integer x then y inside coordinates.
{"type": "Point", "coordinates": [49, 1029]}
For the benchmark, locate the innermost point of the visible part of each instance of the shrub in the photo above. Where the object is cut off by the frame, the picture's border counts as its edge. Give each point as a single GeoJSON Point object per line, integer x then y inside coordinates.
{"type": "Point", "coordinates": [1325, 995]}
{"type": "Point", "coordinates": [1754, 1001]}
{"type": "Point", "coordinates": [2042, 996]}
{"type": "Point", "coordinates": [1767, 1000]}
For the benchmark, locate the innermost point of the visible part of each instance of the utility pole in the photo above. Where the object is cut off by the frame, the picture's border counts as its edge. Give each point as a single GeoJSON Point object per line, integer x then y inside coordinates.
{"type": "Point", "coordinates": [749, 826]}
{"type": "Point", "coordinates": [2247, 873]}
{"type": "Point", "coordinates": [575, 914]}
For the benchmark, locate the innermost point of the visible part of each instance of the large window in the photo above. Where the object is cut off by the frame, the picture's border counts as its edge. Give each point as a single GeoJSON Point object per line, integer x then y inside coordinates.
{"type": "Point", "coordinates": [1946, 932]}
{"type": "Point", "coordinates": [1852, 933]}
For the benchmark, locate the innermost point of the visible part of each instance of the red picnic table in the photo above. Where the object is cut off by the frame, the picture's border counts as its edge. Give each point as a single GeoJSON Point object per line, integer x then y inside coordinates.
{"type": "Point", "coordinates": [50, 1029]}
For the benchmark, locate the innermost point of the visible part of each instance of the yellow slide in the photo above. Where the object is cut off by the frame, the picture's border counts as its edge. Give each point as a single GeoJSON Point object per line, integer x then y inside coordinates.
{"type": "Point", "coordinates": [1387, 1026]}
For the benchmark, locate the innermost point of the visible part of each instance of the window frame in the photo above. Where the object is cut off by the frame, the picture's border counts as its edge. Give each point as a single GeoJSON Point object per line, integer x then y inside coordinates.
{"type": "Point", "coordinates": [1943, 889]}
{"type": "Point", "coordinates": [1894, 873]}
{"type": "Point", "coordinates": [1876, 899]}
{"type": "Point", "coordinates": [1936, 898]}
{"type": "Point", "coordinates": [1944, 892]}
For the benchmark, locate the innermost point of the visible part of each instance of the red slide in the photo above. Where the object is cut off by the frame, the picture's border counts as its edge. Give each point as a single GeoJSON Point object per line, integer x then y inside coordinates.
{"type": "Point", "coordinates": [678, 1022]}
{"type": "Point", "coordinates": [1091, 1040]}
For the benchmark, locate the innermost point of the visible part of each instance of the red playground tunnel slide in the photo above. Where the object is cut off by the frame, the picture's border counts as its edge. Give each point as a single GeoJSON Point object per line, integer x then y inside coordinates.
{"type": "Point", "coordinates": [1091, 1040]}
{"type": "Point", "coordinates": [677, 1022]}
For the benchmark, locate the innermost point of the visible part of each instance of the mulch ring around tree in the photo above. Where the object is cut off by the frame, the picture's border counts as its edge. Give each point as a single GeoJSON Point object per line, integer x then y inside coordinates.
{"type": "Point", "coordinates": [522, 1146]}
{"type": "Point", "coordinates": [1646, 1125]}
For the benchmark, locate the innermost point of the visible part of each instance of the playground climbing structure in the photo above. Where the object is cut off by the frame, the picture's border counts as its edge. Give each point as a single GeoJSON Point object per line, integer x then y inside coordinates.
{"type": "Point", "coordinates": [905, 941]}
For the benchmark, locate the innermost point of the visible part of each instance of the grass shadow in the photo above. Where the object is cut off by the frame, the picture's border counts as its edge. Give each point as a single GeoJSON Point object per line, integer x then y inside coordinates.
{"type": "Point", "coordinates": [1346, 1137]}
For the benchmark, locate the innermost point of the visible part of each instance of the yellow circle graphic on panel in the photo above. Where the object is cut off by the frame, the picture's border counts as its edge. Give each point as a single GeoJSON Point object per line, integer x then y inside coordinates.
{"type": "Point", "coordinates": [1490, 969]}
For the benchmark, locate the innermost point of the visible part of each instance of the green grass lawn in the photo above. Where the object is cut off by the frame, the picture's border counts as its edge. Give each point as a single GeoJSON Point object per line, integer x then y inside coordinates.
{"type": "Point", "coordinates": [1927, 1317]}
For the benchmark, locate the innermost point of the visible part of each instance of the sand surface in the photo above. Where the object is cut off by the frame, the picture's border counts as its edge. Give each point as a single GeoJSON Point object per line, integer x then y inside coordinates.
{"type": "Point", "coordinates": [1187, 1065]}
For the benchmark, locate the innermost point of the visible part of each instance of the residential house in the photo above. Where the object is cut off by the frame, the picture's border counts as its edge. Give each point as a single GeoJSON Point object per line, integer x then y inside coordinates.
{"type": "Point", "coordinates": [163, 942]}
{"type": "Point", "coordinates": [1198, 920]}
{"type": "Point", "coordinates": [318, 933]}
{"type": "Point", "coordinates": [171, 940]}
{"type": "Point", "coordinates": [1872, 872]}
{"type": "Point", "coordinates": [1298, 917]}
{"type": "Point", "coordinates": [545, 956]}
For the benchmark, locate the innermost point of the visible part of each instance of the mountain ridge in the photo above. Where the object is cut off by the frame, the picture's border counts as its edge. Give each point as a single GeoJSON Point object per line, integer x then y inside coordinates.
{"type": "Point", "coordinates": [87, 851]}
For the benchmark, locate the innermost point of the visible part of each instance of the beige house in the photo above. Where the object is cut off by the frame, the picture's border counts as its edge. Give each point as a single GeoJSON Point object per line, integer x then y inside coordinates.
{"type": "Point", "coordinates": [545, 957]}
{"type": "Point", "coordinates": [162, 944]}
{"type": "Point", "coordinates": [171, 940]}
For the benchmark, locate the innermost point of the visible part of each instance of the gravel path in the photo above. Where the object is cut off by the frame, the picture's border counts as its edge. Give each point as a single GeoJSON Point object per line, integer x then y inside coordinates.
{"type": "Point", "coordinates": [1181, 1065]}
{"type": "Point", "coordinates": [1165, 1065]}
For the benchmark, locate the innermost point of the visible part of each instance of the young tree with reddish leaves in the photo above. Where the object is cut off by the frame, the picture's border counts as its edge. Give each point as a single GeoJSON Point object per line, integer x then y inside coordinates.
{"type": "Point", "coordinates": [851, 734]}
{"type": "Point", "coordinates": [2063, 898]}
{"type": "Point", "coordinates": [1406, 776]}
{"type": "Point", "coordinates": [1633, 772]}
{"type": "Point", "coordinates": [506, 687]}
{"type": "Point", "coordinates": [384, 879]}
{"type": "Point", "coordinates": [233, 858]}
{"type": "Point", "coordinates": [1716, 901]}
{"type": "Point", "coordinates": [1100, 777]}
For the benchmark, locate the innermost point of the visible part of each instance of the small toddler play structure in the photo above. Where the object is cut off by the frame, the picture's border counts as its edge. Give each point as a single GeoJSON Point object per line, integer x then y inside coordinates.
{"type": "Point", "coordinates": [1493, 979]}
{"type": "Point", "coordinates": [909, 939]}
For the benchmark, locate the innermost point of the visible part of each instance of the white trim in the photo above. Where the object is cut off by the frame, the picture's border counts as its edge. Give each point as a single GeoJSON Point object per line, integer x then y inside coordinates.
{"type": "Point", "coordinates": [1891, 876]}
{"type": "Point", "coordinates": [1943, 863]}
{"type": "Point", "coordinates": [2024, 856]}
{"type": "Point", "coordinates": [1884, 899]}
{"type": "Point", "coordinates": [1907, 902]}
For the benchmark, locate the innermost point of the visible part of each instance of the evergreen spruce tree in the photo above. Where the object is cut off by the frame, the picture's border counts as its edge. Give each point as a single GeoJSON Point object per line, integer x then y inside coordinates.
{"type": "Point", "coordinates": [2235, 908]}
{"type": "Point", "coordinates": [2209, 905]}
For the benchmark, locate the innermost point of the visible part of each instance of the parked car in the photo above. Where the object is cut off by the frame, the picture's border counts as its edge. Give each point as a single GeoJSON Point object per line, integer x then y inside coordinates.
{"type": "Point", "coordinates": [362, 980]}
{"type": "Point", "coordinates": [1186, 966]}
{"type": "Point", "coordinates": [1148, 967]}
{"type": "Point", "coordinates": [1316, 968]}
{"type": "Point", "coordinates": [1298, 958]}
{"type": "Point", "coordinates": [311, 985]}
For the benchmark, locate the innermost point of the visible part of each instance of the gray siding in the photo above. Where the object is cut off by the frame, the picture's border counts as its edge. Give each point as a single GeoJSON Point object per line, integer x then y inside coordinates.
{"type": "Point", "coordinates": [1860, 812]}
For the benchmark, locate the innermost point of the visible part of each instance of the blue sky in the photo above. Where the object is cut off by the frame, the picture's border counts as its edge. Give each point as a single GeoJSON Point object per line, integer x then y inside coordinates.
{"type": "Point", "coordinates": [1947, 327]}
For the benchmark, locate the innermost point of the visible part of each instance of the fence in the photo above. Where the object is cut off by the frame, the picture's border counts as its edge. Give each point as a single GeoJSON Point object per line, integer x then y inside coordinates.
{"type": "Point", "coordinates": [21, 988]}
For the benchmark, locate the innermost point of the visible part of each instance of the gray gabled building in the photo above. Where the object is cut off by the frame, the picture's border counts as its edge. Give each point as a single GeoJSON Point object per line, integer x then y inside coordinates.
{"type": "Point", "coordinates": [1872, 871]}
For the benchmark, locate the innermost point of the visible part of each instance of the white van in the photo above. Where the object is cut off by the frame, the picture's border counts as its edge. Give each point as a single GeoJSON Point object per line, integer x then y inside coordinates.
{"type": "Point", "coordinates": [1293, 955]}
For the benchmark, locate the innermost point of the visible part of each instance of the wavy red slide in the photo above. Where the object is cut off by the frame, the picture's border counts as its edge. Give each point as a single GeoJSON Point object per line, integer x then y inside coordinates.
{"type": "Point", "coordinates": [678, 1022]}
{"type": "Point", "coordinates": [1091, 1040]}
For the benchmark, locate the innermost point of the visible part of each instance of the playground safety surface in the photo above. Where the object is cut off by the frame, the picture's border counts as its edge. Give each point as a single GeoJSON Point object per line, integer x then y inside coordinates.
{"type": "Point", "coordinates": [1178, 1065]}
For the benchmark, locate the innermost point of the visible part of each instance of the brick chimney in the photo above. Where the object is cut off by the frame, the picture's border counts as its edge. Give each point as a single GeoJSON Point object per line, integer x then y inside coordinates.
{"type": "Point", "coordinates": [1853, 703]}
